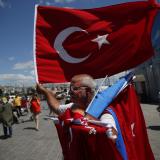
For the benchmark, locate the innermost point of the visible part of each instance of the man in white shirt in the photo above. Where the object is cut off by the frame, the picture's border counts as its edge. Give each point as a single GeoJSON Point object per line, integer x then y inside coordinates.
{"type": "Point", "coordinates": [82, 90]}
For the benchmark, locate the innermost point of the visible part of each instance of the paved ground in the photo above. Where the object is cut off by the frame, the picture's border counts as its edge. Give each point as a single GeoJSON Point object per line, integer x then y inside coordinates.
{"type": "Point", "coordinates": [152, 119]}
{"type": "Point", "coordinates": [29, 144]}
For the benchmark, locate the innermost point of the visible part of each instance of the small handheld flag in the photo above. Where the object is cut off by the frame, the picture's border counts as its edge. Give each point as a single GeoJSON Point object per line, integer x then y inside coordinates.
{"type": "Point", "coordinates": [104, 98]}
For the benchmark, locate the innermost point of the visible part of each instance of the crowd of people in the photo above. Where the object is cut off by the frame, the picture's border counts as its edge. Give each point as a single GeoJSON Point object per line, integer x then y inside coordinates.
{"type": "Point", "coordinates": [12, 108]}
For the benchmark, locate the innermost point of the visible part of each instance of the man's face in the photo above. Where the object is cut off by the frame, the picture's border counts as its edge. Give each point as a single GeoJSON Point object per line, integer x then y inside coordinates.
{"type": "Point", "coordinates": [78, 92]}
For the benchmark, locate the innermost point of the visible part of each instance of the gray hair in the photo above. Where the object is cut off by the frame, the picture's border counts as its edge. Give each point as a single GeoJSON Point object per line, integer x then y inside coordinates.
{"type": "Point", "coordinates": [86, 80]}
{"type": "Point", "coordinates": [89, 82]}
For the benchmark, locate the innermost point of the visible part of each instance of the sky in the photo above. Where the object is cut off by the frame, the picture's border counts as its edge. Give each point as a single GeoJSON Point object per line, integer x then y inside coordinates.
{"type": "Point", "coordinates": [16, 36]}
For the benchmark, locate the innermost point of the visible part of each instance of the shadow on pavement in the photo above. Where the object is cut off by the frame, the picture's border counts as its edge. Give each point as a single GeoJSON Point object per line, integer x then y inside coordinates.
{"type": "Point", "coordinates": [4, 137]}
{"type": "Point", "coordinates": [30, 128]}
{"type": "Point", "coordinates": [28, 120]}
{"type": "Point", "coordinates": [157, 128]}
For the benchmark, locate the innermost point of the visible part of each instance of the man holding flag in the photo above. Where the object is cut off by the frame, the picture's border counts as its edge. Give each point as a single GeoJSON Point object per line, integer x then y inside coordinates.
{"type": "Point", "coordinates": [75, 118]}
{"type": "Point", "coordinates": [82, 91]}
{"type": "Point", "coordinates": [97, 42]}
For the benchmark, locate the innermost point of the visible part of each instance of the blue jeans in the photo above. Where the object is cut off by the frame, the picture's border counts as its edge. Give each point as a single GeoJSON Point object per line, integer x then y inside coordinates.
{"type": "Point", "coordinates": [7, 130]}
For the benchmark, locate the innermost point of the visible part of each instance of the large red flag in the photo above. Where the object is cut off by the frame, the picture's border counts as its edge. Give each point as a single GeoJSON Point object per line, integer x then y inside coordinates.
{"type": "Point", "coordinates": [132, 124]}
{"type": "Point", "coordinates": [100, 41]}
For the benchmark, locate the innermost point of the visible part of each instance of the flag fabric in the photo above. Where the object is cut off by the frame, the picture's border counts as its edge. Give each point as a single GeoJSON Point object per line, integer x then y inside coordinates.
{"type": "Point", "coordinates": [99, 41]}
{"type": "Point", "coordinates": [78, 143]}
{"type": "Point", "coordinates": [132, 132]}
{"type": "Point", "coordinates": [105, 97]}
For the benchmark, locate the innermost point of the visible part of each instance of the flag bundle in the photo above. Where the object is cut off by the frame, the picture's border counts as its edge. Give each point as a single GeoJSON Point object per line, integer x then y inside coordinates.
{"type": "Point", "coordinates": [102, 100]}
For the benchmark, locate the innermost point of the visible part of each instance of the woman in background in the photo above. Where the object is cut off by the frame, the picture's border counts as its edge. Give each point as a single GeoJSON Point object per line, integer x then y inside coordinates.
{"type": "Point", "coordinates": [35, 109]}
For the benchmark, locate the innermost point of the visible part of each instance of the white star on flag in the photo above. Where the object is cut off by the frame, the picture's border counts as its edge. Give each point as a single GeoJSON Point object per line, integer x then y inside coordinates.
{"type": "Point", "coordinates": [101, 40]}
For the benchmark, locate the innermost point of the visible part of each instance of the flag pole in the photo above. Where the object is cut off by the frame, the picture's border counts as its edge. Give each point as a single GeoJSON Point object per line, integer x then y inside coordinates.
{"type": "Point", "coordinates": [34, 44]}
{"type": "Point", "coordinates": [97, 91]}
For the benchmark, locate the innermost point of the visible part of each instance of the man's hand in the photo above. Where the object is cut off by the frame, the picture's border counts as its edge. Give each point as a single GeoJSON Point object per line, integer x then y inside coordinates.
{"type": "Point", "coordinates": [90, 117]}
{"type": "Point", "coordinates": [112, 133]}
{"type": "Point", "coordinates": [40, 88]}
{"type": "Point", "coordinates": [53, 103]}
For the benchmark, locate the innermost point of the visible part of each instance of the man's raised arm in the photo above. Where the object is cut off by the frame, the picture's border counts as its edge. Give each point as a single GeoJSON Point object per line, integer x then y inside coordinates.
{"type": "Point", "coordinates": [53, 103]}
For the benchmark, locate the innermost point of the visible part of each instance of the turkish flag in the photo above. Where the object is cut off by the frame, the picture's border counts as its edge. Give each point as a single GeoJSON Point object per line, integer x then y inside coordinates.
{"type": "Point", "coordinates": [78, 144]}
{"type": "Point", "coordinates": [100, 41]}
{"type": "Point", "coordinates": [132, 125]}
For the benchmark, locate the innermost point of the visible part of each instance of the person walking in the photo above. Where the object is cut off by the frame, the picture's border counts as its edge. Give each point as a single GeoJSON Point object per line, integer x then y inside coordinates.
{"type": "Point", "coordinates": [35, 109]}
{"type": "Point", "coordinates": [6, 117]}
{"type": "Point", "coordinates": [17, 104]}
{"type": "Point", "coordinates": [24, 104]}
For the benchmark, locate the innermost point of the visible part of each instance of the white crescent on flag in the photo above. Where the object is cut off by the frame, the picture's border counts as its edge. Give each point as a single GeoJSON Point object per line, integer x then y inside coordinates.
{"type": "Point", "coordinates": [60, 49]}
